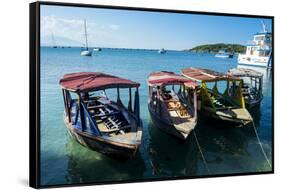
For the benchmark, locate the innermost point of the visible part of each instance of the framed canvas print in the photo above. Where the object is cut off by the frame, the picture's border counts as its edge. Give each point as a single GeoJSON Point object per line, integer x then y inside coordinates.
{"type": "Point", "coordinates": [121, 94]}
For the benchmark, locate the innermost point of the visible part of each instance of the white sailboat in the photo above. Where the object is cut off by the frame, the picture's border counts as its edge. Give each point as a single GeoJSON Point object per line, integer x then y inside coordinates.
{"type": "Point", "coordinates": [86, 51]}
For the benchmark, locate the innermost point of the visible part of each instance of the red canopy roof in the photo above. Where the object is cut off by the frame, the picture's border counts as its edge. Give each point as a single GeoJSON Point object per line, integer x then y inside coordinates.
{"type": "Point", "coordinates": [166, 78]}
{"type": "Point", "coordinates": [92, 81]}
{"type": "Point", "coordinates": [200, 75]}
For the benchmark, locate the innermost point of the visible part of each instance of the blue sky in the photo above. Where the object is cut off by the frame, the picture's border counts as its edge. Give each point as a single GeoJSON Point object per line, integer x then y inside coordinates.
{"type": "Point", "coordinates": [138, 29]}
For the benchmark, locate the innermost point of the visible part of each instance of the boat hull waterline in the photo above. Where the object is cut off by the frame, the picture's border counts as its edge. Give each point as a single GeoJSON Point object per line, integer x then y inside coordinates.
{"type": "Point", "coordinates": [86, 53]}
{"type": "Point", "coordinates": [237, 122]}
{"type": "Point", "coordinates": [102, 145]}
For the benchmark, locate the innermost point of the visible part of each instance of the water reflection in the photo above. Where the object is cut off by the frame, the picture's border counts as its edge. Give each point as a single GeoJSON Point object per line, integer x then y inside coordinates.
{"type": "Point", "coordinates": [170, 157]}
{"type": "Point", "coordinates": [87, 166]}
{"type": "Point", "coordinates": [226, 150]}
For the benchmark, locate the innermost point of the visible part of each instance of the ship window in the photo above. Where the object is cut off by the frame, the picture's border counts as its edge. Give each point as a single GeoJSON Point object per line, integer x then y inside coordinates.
{"type": "Point", "coordinates": [259, 38]}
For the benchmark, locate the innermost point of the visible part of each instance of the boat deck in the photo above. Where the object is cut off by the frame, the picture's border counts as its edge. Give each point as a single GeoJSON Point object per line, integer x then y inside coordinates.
{"type": "Point", "coordinates": [111, 120]}
{"type": "Point", "coordinates": [180, 116]}
{"type": "Point", "coordinates": [219, 101]}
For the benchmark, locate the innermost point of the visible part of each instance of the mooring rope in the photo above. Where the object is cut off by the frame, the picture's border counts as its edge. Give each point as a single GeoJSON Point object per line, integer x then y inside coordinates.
{"type": "Point", "coordinates": [201, 152]}
{"type": "Point", "coordinates": [265, 156]}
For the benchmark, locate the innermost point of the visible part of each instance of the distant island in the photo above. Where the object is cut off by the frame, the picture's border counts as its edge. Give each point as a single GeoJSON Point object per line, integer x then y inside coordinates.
{"type": "Point", "coordinates": [214, 48]}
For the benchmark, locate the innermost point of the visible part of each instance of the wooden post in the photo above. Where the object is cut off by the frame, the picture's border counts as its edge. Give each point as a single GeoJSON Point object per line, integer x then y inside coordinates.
{"type": "Point", "coordinates": [82, 115]}
{"type": "Point", "coordinates": [118, 96]}
{"type": "Point", "coordinates": [137, 105]}
{"type": "Point", "coordinates": [67, 108]}
{"type": "Point", "coordinates": [195, 103]}
{"type": "Point", "coordinates": [158, 102]}
{"type": "Point", "coordinates": [130, 100]}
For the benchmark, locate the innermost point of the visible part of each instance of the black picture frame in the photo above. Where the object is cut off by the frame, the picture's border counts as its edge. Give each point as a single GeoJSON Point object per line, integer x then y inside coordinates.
{"type": "Point", "coordinates": [34, 90]}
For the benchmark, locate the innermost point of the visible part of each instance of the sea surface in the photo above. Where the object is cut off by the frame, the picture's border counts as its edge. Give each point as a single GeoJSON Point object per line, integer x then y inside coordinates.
{"type": "Point", "coordinates": [226, 150]}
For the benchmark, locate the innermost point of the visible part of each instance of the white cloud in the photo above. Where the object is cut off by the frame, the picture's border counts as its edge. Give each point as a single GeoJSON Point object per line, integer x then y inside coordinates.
{"type": "Point", "coordinates": [114, 27]}
{"type": "Point", "coordinates": [74, 29]}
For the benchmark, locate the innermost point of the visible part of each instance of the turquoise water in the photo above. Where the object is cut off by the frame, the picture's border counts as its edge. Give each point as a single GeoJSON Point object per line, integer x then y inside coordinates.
{"type": "Point", "coordinates": [227, 150]}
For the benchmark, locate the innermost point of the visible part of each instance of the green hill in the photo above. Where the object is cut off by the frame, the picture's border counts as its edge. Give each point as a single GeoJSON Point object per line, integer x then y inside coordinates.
{"type": "Point", "coordinates": [214, 48]}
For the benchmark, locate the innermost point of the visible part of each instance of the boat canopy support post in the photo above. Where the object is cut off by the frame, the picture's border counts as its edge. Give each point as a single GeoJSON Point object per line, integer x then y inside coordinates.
{"type": "Point", "coordinates": [260, 86]}
{"type": "Point", "coordinates": [158, 104]}
{"type": "Point", "coordinates": [215, 88]}
{"type": "Point", "coordinates": [137, 105]}
{"type": "Point", "coordinates": [66, 104]}
{"type": "Point", "coordinates": [82, 115]}
{"type": "Point", "coordinates": [205, 96]}
{"type": "Point", "coordinates": [182, 91]}
{"type": "Point", "coordinates": [195, 103]}
{"type": "Point", "coordinates": [119, 102]}
{"type": "Point", "coordinates": [130, 100]}
{"type": "Point", "coordinates": [238, 97]}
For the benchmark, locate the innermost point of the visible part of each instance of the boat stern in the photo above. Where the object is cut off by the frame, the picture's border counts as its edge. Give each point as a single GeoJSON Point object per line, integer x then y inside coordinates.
{"type": "Point", "coordinates": [236, 115]}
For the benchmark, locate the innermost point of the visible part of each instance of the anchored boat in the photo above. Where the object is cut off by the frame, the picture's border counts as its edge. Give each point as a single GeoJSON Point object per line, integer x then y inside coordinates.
{"type": "Point", "coordinates": [86, 51]}
{"type": "Point", "coordinates": [96, 121]}
{"type": "Point", "coordinates": [259, 51]}
{"type": "Point", "coordinates": [226, 102]}
{"type": "Point", "coordinates": [162, 51]}
{"type": "Point", "coordinates": [224, 54]}
{"type": "Point", "coordinates": [252, 85]}
{"type": "Point", "coordinates": [174, 112]}
{"type": "Point", "coordinates": [97, 49]}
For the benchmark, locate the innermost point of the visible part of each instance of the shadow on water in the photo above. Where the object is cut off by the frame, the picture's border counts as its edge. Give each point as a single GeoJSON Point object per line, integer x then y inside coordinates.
{"type": "Point", "coordinates": [85, 166]}
{"type": "Point", "coordinates": [169, 156]}
{"type": "Point", "coordinates": [223, 147]}
{"type": "Point", "coordinates": [227, 146]}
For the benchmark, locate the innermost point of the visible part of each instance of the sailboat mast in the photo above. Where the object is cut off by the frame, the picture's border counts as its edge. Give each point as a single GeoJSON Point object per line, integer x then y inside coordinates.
{"type": "Point", "coordinates": [86, 34]}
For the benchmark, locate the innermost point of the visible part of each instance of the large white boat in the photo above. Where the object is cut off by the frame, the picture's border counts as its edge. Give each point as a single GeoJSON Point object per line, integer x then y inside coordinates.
{"type": "Point", "coordinates": [259, 52]}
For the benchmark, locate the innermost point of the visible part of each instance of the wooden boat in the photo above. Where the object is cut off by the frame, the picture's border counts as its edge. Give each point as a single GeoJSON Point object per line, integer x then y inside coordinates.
{"type": "Point", "coordinates": [173, 112]}
{"type": "Point", "coordinates": [225, 104]}
{"type": "Point", "coordinates": [252, 85]}
{"type": "Point", "coordinates": [97, 122]}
